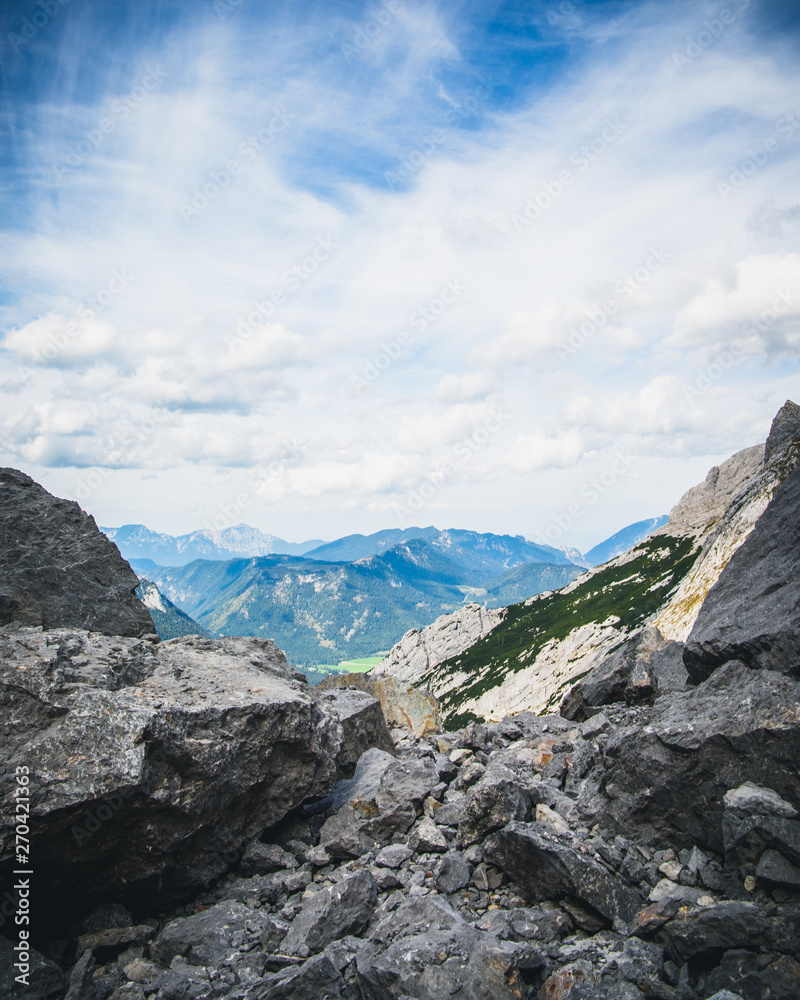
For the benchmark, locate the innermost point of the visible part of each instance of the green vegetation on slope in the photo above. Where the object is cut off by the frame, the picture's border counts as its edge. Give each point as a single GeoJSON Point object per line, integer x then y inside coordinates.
{"type": "Point", "coordinates": [625, 594]}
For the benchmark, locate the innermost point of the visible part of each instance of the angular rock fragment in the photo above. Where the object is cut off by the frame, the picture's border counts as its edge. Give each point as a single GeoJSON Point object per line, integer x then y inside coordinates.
{"type": "Point", "coordinates": [546, 868]}
{"type": "Point", "coordinates": [344, 908]}
{"type": "Point", "coordinates": [424, 949]}
{"type": "Point", "coordinates": [775, 868]}
{"type": "Point", "coordinates": [498, 798]}
{"type": "Point", "coordinates": [453, 873]}
{"type": "Point", "coordinates": [45, 979]}
{"type": "Point", "coordinates": [728, 924]}
{"type": "Point", "coordinates": [669, 778]}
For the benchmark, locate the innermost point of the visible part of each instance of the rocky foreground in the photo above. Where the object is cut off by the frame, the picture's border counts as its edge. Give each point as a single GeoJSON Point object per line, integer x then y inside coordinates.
{"type": "Point", "coordinates": [646, 852]}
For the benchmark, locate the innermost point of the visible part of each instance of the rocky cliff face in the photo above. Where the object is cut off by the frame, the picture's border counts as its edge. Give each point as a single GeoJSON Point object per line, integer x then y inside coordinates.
{"type": "Point", "coordinates": [722, 511]}
{"type": "Point", "coordinates": [531, 658]}
{"type": "Point", "coordinates": [421, 649]}
{"type": "Point", "coordinates": [751, 612]}
{"type": "Point", "coordinates": [57, 570]}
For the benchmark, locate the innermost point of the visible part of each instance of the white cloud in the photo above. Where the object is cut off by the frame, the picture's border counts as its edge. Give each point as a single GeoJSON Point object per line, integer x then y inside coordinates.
{"type": "Point", "coordinates": [532, 452]}
{"type": "Point", "coordinates": [761, 302]}
{"type": "Point", "coordinates": [158, 350]}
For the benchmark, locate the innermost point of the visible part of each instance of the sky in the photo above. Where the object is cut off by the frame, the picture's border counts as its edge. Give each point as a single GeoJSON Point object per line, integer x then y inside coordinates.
{"type": "Point", "coordinates": [322, 268]}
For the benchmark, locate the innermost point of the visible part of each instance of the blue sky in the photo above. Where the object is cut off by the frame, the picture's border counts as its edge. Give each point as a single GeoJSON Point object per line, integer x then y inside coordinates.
{"type": "Point", "coordinates": [515, 267]}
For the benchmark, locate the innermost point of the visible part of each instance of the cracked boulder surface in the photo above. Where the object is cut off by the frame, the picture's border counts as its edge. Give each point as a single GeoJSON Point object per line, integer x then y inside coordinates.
{"type": "Point", "coordinates": [153, 765]}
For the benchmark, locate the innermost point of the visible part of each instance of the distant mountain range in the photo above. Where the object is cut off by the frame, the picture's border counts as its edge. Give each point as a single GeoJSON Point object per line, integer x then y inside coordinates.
{"type": "Point", "coordinates": [344, 599]}
{"type": "Point", "coordinates": [135, 541]}
{"type": "Point", "coordinates": [623, 540]}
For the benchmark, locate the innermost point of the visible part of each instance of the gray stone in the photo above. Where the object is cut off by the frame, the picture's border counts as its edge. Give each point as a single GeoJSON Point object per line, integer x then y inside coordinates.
{"type": "Point", "coordinates": [393, 856]}
{"type": "Point", "coordinates": [453, 873]}
{"type": "Point", "coordinates": [45, 979]}
{"type": "Point", "coordinates": [58, 570]}
{"type": "Point", "coordinates": [80, 978]}
{"type": "Point", "coordinates": [344, 908]}
{"type": "Point", "coordinates": [748, 838]}
{"type": "Point", "coordinates": [363, 724]}
{"type": "Point", "coordinates": [154, 761]}
{"type": "Point", "coordinates": [116, 937]}
{"type": "Point", "coordinates": [273, 932]}
{"type": "Point", "coordinates": [749, 799]}
{"type": "Point", "coordinates": [316, 979]}
{"type": "Point", "coordinates": [451, 813]}
{"type": "Point", "coordinates": [546, 868]}
{"type": "Point", "coordinates": [631, 674]}
{"type": "Point", "coordinates": [213, 937]}
{"type": "Point", "coordinates": [752, 613]}
{"type": "Point", "coordinates": [669, 778]}
{"type": "Point", "coordinates": [425, 950]}
{"type": "Point", "coordinates": [774, 868]}
{"type": "Point", "coordinates": [378, 804]}
{"type": "Point", "coordinates": [497, 799]}
{"type": "Point", "coordinates": [404, 707]}
{"type": "Point", "coordinates": [261, 859]}
{"type": "Point", "coordinates": [427, 837]}
{"type": "Point", "coordinates": [728, 924]}
{"type": "Point", "coordinates": [754, 977]}
{"type": "Point", "coordinates": [128, 991]}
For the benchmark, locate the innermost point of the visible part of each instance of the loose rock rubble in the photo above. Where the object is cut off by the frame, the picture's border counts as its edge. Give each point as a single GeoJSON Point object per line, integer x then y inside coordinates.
{"type": "Point", "coordinates": [484, 864]}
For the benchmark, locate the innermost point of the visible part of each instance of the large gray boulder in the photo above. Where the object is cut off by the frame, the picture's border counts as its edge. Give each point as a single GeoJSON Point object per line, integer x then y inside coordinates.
{"type": "Point", "coordinates": [752, 613]}
{"type": "Point", "coordinates": [668, 779]}
{"type": "Point", "coordinates": [153, 765]}
{"type": "Point", "coordinates": [57, 569]}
